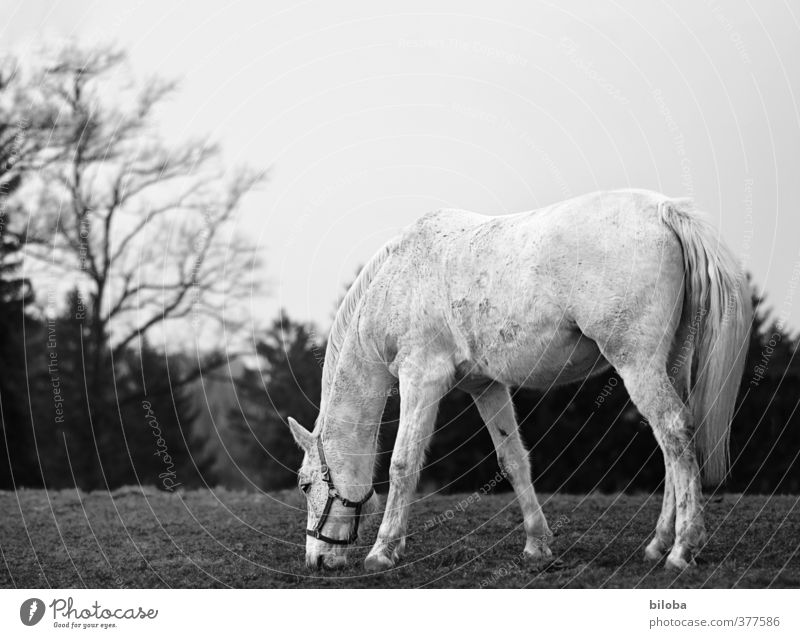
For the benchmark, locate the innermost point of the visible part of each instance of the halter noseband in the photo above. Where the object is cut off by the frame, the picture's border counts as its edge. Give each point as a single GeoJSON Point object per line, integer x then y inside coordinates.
{"type": "Point", "coordinates": [333, 495]}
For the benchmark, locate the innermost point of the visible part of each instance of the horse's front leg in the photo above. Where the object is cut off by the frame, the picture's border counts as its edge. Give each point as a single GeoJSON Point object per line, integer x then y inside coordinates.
{"type": "Point", "coordinates": [421, 388]}
{"type": "Point", "coordinates": [497, 411]}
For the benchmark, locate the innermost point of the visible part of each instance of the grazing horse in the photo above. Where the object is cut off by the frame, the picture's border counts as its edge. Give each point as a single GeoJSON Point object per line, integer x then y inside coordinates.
{"type": "Point", "coordinates": [630, 279]}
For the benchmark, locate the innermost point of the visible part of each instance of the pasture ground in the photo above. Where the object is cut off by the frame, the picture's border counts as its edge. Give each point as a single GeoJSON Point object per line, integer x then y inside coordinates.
{"type": "Point", "coordinates": [143, 538]}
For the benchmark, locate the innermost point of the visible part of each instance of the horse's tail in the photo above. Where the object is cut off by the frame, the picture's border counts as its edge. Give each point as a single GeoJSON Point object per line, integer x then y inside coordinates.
{"type": "Point", "coordinates": [717, 305]}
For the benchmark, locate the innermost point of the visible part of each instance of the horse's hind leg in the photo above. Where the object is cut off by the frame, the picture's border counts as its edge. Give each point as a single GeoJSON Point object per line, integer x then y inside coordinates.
{"type": "Point", "coordinates": [678, 370]}
{"type": "Point", "coordinates": [650, 388]}
{"type": "Point", "coordinates": [497, 411]}
{"type": "Point", "coordinates": [665, 527]}
{"type": "Point", "coordinates": [421, 388]}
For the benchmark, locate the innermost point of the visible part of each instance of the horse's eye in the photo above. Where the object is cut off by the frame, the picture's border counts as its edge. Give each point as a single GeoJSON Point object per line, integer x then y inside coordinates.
{"type": "Point", "coordinates": [304, 487]}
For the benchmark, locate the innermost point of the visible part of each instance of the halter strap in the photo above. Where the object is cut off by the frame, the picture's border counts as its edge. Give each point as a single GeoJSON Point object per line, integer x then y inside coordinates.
{"type": "Point", "coordinates": [333, 495]}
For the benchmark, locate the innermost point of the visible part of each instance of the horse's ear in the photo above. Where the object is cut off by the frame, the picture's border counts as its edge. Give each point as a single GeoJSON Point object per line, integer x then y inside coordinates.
{"type": "Point", "coordinates": [301, 436]}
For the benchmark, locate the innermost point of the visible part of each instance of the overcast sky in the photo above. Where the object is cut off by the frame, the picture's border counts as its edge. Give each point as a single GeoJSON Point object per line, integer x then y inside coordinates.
{"type": "Point", "coordinates": [372, 113]}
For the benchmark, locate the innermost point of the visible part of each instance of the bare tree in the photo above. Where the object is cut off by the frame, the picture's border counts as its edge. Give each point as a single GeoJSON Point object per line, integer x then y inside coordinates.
{"type": "Point", "coordinates": [147, 230]}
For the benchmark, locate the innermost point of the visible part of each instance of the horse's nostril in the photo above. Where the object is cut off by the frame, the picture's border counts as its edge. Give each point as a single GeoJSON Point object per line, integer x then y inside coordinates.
{"type": "Point", "coordinates": [320, 561]}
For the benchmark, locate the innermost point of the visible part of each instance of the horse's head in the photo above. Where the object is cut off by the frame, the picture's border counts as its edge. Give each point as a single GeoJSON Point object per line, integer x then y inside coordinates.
{"type": "Point", "coordinates": [333, 518]}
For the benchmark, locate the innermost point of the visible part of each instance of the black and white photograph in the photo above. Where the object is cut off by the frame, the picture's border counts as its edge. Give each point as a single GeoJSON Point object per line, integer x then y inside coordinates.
{"type": "Point", "coordinates": [397, 296]}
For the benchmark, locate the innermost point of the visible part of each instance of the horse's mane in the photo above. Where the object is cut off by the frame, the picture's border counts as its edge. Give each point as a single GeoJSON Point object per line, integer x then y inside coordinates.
{"type": "Point", "coordinates": [346, 311]}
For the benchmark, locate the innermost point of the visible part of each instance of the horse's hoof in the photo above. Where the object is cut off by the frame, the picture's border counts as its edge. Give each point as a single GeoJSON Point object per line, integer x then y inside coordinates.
{"type": "Point", "coordinates": [399, 550]}
{"type": "Point", "coordinates": [653, 554]}
{"type": "Point", "coordinates": [655, 551]}
{"type": "Point", "coordinates": [676, 564]}
{"type": "Point", "coordinates": [538, 554]}
{"type": "Point", "coordinates": [677, 560]}
{"type": "Point", "coordinates": [378, 563]}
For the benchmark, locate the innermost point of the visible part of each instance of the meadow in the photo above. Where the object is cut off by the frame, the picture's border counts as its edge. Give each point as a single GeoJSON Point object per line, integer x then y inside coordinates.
{"type": "Point", "coordinates": [141, 537]}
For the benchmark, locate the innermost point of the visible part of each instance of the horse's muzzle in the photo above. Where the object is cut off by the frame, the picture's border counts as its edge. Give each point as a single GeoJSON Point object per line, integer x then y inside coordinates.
{"type": "Point", "coordinates": [326, 561]}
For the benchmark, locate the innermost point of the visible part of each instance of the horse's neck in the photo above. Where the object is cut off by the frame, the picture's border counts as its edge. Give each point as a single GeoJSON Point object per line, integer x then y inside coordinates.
{"type": "Point", "coordinates": [351, 415]}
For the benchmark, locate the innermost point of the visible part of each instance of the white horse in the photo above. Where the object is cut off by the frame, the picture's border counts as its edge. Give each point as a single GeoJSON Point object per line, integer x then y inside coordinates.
{"type": "Point", "coordinates": [629, 279]}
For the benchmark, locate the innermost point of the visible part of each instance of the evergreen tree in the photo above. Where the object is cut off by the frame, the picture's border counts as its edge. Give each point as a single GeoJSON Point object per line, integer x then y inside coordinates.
{"type": "Point", "coordinates": [20, 142]}
{"type": "Point", "coordinates": [16, 294]}
{"type": "Point", "coordinates": [289, 384]}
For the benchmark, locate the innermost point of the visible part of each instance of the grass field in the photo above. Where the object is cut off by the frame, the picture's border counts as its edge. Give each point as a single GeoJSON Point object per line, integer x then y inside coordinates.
{"type": "Point", "coordinates": [136, 538]}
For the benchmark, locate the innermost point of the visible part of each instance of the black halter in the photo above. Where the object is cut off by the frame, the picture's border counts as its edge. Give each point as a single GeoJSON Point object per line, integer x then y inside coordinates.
{"type": "Point", "coordinates": [333, 495]}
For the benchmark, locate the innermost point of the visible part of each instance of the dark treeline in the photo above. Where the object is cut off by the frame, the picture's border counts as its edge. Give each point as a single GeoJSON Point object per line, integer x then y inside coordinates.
{"type": "Point", "coordinates": [57, 434]}
{"type": "Point", "coordinates": [582, 437]}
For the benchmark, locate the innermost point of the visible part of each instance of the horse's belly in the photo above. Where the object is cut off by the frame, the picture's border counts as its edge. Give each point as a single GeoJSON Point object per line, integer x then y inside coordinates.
{"type": "Point", "coordinates": [540, 360]}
